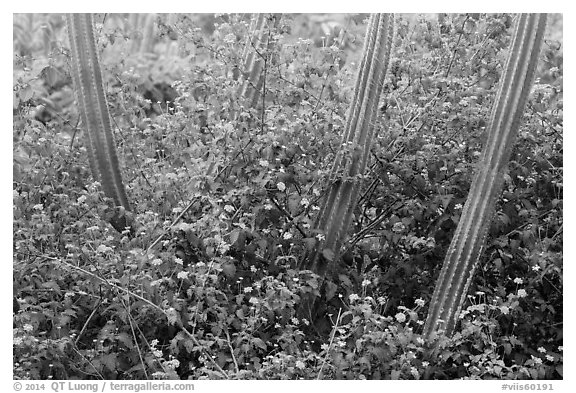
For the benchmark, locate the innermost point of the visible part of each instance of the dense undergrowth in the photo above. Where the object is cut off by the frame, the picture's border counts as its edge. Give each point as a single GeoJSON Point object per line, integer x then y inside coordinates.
{"type": "Point", "coordinates": [224, 197]}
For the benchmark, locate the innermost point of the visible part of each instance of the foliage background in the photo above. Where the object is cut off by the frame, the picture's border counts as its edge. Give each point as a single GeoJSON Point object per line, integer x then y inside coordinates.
{"type": "Point", "coordinates": [236, 283]}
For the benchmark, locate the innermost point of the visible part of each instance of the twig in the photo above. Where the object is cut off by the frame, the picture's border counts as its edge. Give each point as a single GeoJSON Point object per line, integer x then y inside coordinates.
{"type": "Point", "coordinates": [332, 335]}
{"type": "Point", "coordinates": [127, 308]}
{"type": "Point", "coordinates": [89, 362]}
{"type": "Point", "coordinates": [178, 323]}
{"type": "Point", "coordinates": [232, 352]}
{"type": "Point", "coordinates": [87, 322]}
{"type": "Point", "coordinates": [381, 217]}
{"type": "Point", "coordinates": [174, 222]}
{"type": "Point", "coordinates": [456, 46]}
{"type": "Point", "coordinates": [287, 215]}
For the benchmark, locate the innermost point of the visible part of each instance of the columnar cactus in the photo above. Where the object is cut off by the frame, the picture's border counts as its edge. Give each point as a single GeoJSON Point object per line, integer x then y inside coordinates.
{"type": "Point", "coordinates": [89, 90]}
{"type": "Point", "coordinates": [469, 239]}
{"type": "Point", "coordinates": [337, 210]}
{"type": "Point", "coordinates": [254, 39]}
{"type": "Point", "coordinates": [147, 45]}
{"type": "Point", "coordinates": [253, 61]}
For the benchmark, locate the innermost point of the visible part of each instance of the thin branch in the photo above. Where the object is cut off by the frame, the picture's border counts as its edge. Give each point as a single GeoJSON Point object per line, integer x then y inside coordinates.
{"type": "Point", "coordinates": [287, 215]}
{"type": "Point", "coordinates": [87, 322]}
{"type": "Point", "coordinates": [332, 335]}
{"type": "Point", "coordinates": [232, 352]}
{"type": "Point", "coordinates": [456, 46]}
{"type": "Point", "coordinates": [178, 323]}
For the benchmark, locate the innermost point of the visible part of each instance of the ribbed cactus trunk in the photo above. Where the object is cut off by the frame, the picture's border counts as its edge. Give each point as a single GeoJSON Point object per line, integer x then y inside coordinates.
{"type": "Point", "coordinates": [253, 41]}
{"type": "Point", "coordinates": [469, 239]}
{"type": "Point", "coordinates": [147, 45]}
{"type": "Point", "coordinates": [337, 210]}
{"type": "Point", "coordinates": [251, 88]}
{"type": "Point", "coordinates": [89, 90]}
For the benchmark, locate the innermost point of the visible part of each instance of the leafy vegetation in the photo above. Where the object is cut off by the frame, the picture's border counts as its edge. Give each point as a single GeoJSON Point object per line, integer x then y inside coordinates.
{"type": "Point", "coordinates": [225, 191]}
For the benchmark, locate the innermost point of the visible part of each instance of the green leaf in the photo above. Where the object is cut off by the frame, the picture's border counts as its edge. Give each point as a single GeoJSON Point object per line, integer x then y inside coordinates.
{"type": "Point", "coordinates": [328, 254]}
{"type": "Point", "coordinates": [229, 269]}
{"type": "Point", "coordinates": [26, 93]}
{"type": "Point", "coordinates": [331, 289]}
{"type": "Point", "coordinates": [259, 343]}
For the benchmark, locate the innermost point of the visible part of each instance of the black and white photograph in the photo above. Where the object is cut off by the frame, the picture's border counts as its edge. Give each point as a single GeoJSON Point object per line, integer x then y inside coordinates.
{"type": "Point", "coordinates": [287, 196]}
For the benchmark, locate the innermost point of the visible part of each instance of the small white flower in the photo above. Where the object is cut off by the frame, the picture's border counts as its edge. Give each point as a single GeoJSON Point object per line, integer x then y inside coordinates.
{"type": "Point", "coordinates": [178, 261]}
{"type": "Point", "coordinates": [172, 315]}
{"type": "Point", "coordinates": [365, 283]}
{"type": "Point", "coordinates": [38, 206]}
{"type": "Point", "coordinates": [182, 275]}
{"type": "Point", "coordinates": [300, 364]}
{"type": "Point", "coordinates": [400, 317]}
{"type": "Point", "coordinates": [229, 208]}
{"type": "Point", "coordinates": [287, 236]}
{"type": "Point", "coordinates": [82, 199]}
{"type": "Point", "coordinates": [458, 206]}
{"type": "Point", "coordinates": [550, 358]}
{"type": "Point", "coordinates": [560, 348]}
{"type": "Point", "coordinates": [268, 206]}
{"type": "Point", "coordinates": [28, 328]}
{"type": "Point", "coordinates": [263, 163]}
{"type": "Point", "coordinates": [504, 310]}
{"type": "Point", "coordinates": [420, 340]}
{"type": "Point", "coordinates": [230, 38]}
{"type": "Point", "coordinates": [425, 364]}
{"type": "Point", "coordinates": [518, 281]}
{"type": "Point", "coordinates": [353, 297]}
{"type": "Point", "coordinates": [247, 289]}
{"type": "Point", "coordinates": [535, 268]}
{"type": "Point", "coordinates": [103, 249]}
{"type": "Point", "coordinates": [281, 186]}
{"type": "Point", "coordinates": [419, 302]}
{"type": "Point", "coordinates": [541, 349]}
{"type": "Point", "coordinates": [522, 293]}
{"type": "Point", "coordinates": [320, 237]}
{"type": "Point", "coordinates": [537, 360]}
{"type": "Point", "coordinates": [157, 262]}
{"type": "Point", "coordinates": [295, 321]}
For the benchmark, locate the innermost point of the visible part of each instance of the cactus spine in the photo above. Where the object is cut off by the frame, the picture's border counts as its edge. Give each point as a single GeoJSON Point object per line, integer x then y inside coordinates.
{"type": "Point", "coordinates": [469, 239]}
{"type": "Point", "coordinates": [337, 210]}
{"type": "Point", "coordinates": [89, 90]}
